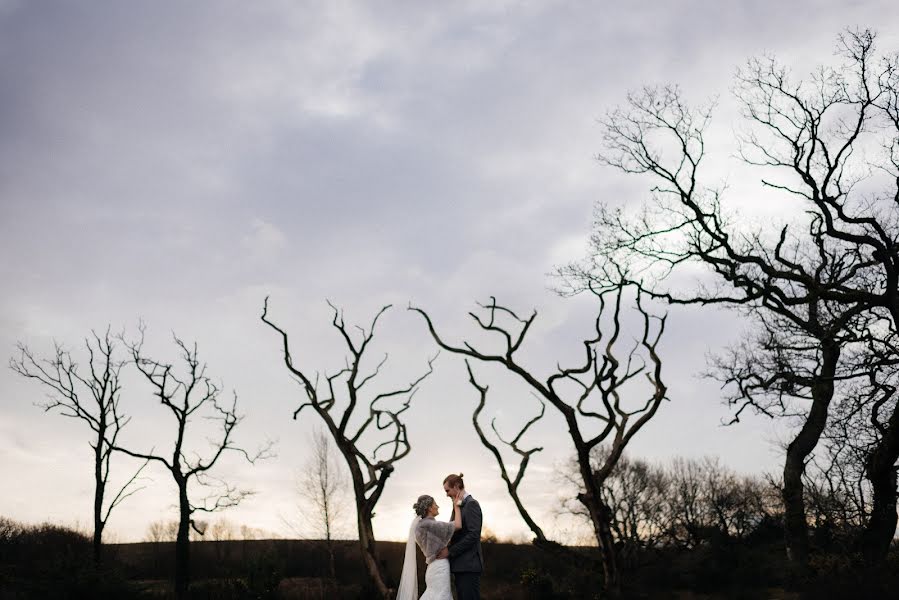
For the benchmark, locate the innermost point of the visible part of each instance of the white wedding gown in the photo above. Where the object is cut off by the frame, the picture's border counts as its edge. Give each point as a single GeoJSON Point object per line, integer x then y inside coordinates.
{"type": "Point", "coordinates": [437, 580]}
{"type": "Point", "coordinates": [431, 536]}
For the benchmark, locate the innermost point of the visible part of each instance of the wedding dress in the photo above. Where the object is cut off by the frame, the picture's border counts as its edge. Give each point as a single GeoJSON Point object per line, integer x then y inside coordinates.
{"type": "Point", "coordinates": [431, 536]}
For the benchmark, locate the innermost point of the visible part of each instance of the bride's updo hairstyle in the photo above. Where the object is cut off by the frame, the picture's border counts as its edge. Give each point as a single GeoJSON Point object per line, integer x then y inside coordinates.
{"type": "Point", "coordinates": [423, 505]}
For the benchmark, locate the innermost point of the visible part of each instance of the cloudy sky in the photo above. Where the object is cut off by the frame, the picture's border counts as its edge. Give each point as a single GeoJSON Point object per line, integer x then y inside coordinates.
{"type": "Point", "coordinates": [177, 162]}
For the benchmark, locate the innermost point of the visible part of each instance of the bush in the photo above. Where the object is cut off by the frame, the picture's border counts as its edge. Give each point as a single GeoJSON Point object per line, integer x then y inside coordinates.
{"type": "Point", "coordinates": [50, 561]}
{"type": "Point", "coordinates": [265, 573]}
{"type": "Point", "coordinates": [538, 583]}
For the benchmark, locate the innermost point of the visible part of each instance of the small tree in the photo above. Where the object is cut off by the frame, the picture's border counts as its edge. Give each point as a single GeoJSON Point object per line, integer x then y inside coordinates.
{"type": "Point", "coordinates": [594, 398]}
{"type": "Point", "coordinates": [368, 472]}
{"type": "Point", "coordinates": [162, 531]}
{"type": "Point", "coordinates": [188, 396]}
{"type": "Point", "coordinates": [223, 530]}
{"type": "Point", "coordinates": [323, 488]}
{"type": "Point", "coordinates": [93, 397]}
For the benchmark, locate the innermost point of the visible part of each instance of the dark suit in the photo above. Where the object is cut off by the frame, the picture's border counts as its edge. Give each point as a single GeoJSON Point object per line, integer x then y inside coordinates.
{"type": "Point", "coordinates": [465, 555]}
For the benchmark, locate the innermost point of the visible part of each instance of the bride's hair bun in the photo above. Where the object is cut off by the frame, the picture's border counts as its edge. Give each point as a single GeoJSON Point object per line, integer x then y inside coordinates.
{"type": "Point", "coordinates": [422, 505]}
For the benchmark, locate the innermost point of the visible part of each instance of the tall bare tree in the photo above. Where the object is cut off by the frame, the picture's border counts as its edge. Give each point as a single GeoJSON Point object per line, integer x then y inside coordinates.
{"type": "Point", "coordinates": [795, 365]}
{"type": "Point", "coordinates": [818, 272]}
{"type": "Point", "coordinates": [868, 434]}
{"type": "Point", "coordinates": [188, 393]}
{"type": "Point", "coordinates": [595, 399]}
{"type": "Point", "coordinates": [351, 417]}
{"type": "Point", "coordinates": [93, 397]}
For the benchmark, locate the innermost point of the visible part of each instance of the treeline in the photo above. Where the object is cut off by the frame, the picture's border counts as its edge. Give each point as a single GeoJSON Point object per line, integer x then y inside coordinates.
{"type": "Point", "coordinates": [688, 502]}
{"type": "Point", "coordinates": [220, 530]}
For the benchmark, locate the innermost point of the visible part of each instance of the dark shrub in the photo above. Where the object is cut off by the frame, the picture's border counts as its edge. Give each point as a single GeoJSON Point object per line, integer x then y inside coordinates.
{"type": "Point", "coordinates": [50, 561]}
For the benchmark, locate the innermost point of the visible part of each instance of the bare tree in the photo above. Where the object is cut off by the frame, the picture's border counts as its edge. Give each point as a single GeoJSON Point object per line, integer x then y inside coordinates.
{"type": "Point", "coordinates": [793, 366]}
{"type": "Point", "coordinates": [817, 272]}
{"type": "Point", "coordinates": [162, 531]}
{"type": "Point", "coordinates": [865, 441]}
{"type": "Point", "coordinates": [636, 492]}
{"type": "Point", "coordinates": [323, 488]}
{"type": "Point", "coordinates": [349, 426]}
{"type": "Point", "coordinates": [92, 397]}
{"type": "Point", "coordinates": [706, 500]}
{"type": "Point", "coordinates": [188, 394]}
{"type": "Point", "coordinates": [594, 398]}
{"type": "Point", "coordinates": [223, 530]}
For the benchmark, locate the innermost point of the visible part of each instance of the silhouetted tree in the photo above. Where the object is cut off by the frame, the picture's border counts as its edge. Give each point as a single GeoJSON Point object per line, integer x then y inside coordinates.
{"type": "Point", "coordinates": [818, 272]}
{"type": "Point", "coordinates": [189, 394]}
{"type": "Point", "coordinates": [92, 396]}
{"type": "Point", "coordinates": [594, 398]}
{"type": "Point", "coordinates": [383, 410]}
{"type": "Point", "coordinates": [636, 492]}
{"type": "Point", "coordinates": [792, 366]}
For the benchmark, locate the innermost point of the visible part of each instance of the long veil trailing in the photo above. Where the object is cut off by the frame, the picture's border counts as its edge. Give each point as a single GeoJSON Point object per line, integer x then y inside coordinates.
{"type": "Point", "coordinates": [408, 589]}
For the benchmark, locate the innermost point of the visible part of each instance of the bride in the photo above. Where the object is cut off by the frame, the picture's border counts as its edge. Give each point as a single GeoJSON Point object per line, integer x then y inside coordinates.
{"type": "Point", "coordinates": [432, 536]}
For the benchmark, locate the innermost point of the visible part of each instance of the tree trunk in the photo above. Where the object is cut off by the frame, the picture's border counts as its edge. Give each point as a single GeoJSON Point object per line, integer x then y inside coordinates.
{"type": "Point", "coordinates": [795, 524]}
{"type": "Point", "coordinates": [601, 516]}
{"type": "Point", "coordinates": [370, 553]}
{"type": "Point", "coordinates": [332, 567]}
{"type": "Point", "coordinates": [880, 469]}
{"type": "Point", "coordinates": [607, 550]}
{"type": "Point", "coordinates": [182, 544]}
{"type": "Point", "coordinates": [99, 492]}
{"type": "Point", "coordinates": [97, 543]}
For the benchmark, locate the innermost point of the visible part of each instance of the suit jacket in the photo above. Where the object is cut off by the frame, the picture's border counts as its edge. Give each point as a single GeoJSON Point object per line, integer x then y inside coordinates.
{"type": "Point", "coordinates": [465, 554]}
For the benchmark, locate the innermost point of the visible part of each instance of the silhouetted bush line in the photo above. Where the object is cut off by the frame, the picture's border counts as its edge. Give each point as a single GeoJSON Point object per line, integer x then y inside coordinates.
{"type": "Point", "coordinates": [51, 561]}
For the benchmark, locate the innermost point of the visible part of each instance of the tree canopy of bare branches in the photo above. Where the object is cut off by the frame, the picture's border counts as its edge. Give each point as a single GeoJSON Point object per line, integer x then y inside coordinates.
{"type": "Point", "coordinates": [596, 399]}
{"type": "Point", "coordinates": [820, 277]}
{"type": "Point", "coordinates": [353, 418]}
{"type": "Point", "coordinates": [93, 397]}
{"type": "Point", "coordinates": [188, 393]}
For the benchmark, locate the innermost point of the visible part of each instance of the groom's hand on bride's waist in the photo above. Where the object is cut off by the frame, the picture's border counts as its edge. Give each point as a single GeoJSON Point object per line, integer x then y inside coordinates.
{"type": "Point", "coordinates": [443, 553]}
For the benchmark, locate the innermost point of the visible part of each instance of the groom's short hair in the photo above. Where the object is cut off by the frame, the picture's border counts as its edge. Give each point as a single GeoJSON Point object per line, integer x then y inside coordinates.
{"type": "Point", "coordinates": [454, 480]}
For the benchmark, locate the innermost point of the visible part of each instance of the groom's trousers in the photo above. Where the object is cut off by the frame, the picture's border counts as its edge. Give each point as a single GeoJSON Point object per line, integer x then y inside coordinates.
{"type": "Point", "coordinates": [468, 586]}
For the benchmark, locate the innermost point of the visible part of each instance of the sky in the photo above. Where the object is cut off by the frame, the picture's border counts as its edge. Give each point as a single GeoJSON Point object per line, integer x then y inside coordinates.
{"type": "Point", "coordinates": [177, 162]}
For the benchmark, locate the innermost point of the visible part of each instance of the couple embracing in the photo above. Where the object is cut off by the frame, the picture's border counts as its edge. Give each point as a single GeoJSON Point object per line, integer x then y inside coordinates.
{"type": "Point", "coordinates": [452, 546]}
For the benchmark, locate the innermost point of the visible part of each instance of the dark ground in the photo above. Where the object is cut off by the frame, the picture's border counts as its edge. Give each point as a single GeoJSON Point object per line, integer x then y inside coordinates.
{"type": "Point", "coordinates": [52, 563]}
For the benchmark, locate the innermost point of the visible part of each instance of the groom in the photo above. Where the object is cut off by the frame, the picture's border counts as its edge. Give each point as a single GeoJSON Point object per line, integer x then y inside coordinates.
{"type": "Point", "coordinates": [464, 552]}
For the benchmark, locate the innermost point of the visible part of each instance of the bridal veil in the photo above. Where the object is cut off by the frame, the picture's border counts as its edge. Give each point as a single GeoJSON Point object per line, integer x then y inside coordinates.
{"type": "Point", "coordinates": [408, 589]}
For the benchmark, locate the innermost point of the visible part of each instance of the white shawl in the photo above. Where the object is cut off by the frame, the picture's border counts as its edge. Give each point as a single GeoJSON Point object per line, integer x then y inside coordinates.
{"type": "Point", "coordinates": [432, 536]}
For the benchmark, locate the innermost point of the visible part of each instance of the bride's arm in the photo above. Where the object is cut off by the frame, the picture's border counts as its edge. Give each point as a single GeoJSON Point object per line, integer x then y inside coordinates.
{"type": "Point", "coordinates": [457, 515]}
